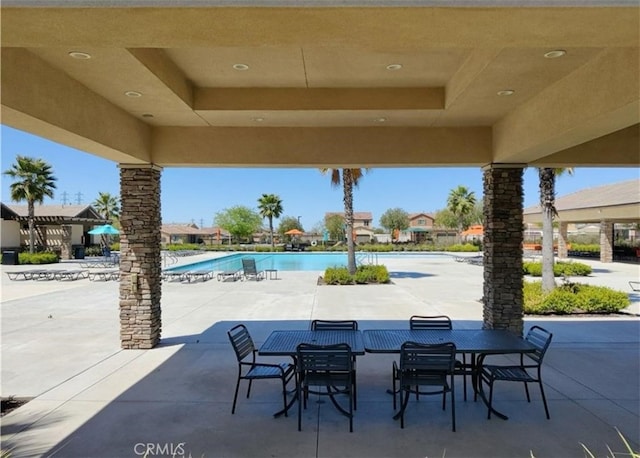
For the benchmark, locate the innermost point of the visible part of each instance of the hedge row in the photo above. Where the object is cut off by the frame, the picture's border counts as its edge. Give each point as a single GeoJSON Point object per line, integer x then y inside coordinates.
{"type": "Point", "coordinates": [364, 275]}
{"type": "Point", "coordinates": [573, 298]}
{"type": "Point", "coordinates": [560, 269]}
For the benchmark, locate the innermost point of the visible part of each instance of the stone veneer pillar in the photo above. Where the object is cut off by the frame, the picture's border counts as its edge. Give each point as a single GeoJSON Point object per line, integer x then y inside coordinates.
{"type": "Point", "coordinates": [563, 243]}
{"type": "Point", "coordinates": [65, 243]}
{"type": "Point", "coordinates": [606, 241]}
{"type": "Point", "coordinates": [140, 263]}
{"type": "Point", "coordinates": [502, 244]}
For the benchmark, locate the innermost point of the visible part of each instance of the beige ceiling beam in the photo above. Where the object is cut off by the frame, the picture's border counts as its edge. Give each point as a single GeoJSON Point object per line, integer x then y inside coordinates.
{"type": "Point", "coordinates": [466, 75]}
{"type": "Point", "coordinates": [321, 147]}
{"type": "Point", "coordinates": [383, 28]}
{"type": "Point", "coordinates": [42, 100]}
{"type": "Point", "coordinates": [618, 148]}
{"type": "Point", "coordinates": [159, 64]}
{"type": "Point", "coordinates": [268, 99]}
{"type": "Point", "coordinates": [597, 99]}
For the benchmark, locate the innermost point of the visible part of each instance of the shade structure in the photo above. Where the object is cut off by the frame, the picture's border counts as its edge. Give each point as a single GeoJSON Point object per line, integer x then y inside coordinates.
{"type": "Point", "coordinates": [294, 232]}
{"type": "Point", "coordinates": [104, 229]}
{"type": "Point", "coordinates": [417, 229]}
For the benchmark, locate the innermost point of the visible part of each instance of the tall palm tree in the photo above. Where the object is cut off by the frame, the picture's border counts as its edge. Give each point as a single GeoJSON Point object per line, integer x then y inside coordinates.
{"type": "Point", "coordinates": [548, 207]}
{"type": "Point", "coordinates": [270, 206]}
{"type": "Point", "coordinates": [35, 181]}
{"type": "Point", "coordinates": [350, 179]}
{"type": "Point", "coordinates": [108, 207]}
{"type": "Point", "coordinates": [461, 203]}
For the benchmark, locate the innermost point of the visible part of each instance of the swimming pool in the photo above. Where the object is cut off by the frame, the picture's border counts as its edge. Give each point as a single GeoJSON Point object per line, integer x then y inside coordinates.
{"type": "Point", "coordinates": [295, 261]}
{"type": "Point", "coordinates": [279, 261]}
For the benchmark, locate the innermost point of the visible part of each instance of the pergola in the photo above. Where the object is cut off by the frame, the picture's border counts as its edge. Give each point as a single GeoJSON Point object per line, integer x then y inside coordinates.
{"type": "Point", "coordinates": [287, 83]}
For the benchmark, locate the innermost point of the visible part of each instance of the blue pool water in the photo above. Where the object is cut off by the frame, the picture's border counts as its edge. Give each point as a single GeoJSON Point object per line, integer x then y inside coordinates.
{"type": "Point", "coordinates": [279, 261]}
{"type": "Point", "coordinates": [294, 261]}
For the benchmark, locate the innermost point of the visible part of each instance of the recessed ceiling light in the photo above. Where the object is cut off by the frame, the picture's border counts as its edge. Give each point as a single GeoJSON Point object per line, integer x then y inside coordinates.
{"type": "Point", "coordinates": [380, 120]}
{"type": "Point", "coordinates": [394, 66]}
{"type": "Point", "coordinates": [257, 119]}
{"type": "Point", "coordinates": [147, 115]}
{"type": "Point", "coordinates": [80, 55]}
{"type": "Point", "coordinates": [506, 92]}
{"type": "Point", "coordinates": [240, 67]}
{"type": "Point", "coordinates": [133, 94]}
{"type": "Point", "coordinates": [555, 53]}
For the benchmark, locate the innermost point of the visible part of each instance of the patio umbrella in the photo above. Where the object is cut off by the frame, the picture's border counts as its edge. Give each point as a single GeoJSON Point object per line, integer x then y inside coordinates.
{"type": "Point", "coordinates": [106, 229]}
{"type": "Point", "coordinates": [294, 232]}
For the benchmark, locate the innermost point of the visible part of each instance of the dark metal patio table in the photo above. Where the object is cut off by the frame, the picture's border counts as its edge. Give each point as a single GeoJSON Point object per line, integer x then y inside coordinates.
{"type": "Point", "coordinates": [285, 343]}
{"type": "Point", "coordinates": [473, 341]}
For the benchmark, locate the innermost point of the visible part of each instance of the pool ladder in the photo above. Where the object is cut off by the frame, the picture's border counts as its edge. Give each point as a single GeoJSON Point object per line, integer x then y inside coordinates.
{"type": "Point", "coordinates": [367, 257]}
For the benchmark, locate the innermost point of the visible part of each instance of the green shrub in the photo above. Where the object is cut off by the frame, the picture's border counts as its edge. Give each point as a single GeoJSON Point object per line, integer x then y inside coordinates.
{"type": "Point", "coordinates": [38, 258]}
{"type": "Point", "coordinates": [371, 274]}
{"type": "Point", "coordinates": [573, 298]}
{"type": "Point", "coordinates": [559, 269]}
{"type": "Point", "coordinates": [337, 276]}
{"type": "Point", "coordinates": [585, 248]}
{"type": "Point", "coordinates": [467, 247]}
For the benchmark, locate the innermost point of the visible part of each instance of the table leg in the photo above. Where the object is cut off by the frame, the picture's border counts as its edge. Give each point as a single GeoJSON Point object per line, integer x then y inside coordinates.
{"type": "Point", "coordinates": [480, 389]}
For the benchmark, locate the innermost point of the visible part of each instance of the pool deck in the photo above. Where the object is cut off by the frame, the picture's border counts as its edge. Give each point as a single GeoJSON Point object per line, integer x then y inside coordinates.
{"type": "Point", "coordinates": [60, 346]}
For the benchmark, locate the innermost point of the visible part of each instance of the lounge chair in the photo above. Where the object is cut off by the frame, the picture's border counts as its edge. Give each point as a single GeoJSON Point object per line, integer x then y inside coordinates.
{"type": "Point", "coordinates": [202, 275]}
{"type": "Point", "coordinates": [24, 275]}
{"type": "Point", "coordinates": [231, 275]}
{"type": "Point", "coordinates": [250, 271]}
{"type": "Point", "coordinates": [172, 275]}
{"type": "Point", "coordinates": [104, 275]}
{"type": "Point", "coordinates": [70, 275]}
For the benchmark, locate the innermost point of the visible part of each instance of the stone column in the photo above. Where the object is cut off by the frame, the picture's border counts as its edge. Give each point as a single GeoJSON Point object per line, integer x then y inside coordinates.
{"type": "Point", "coordinates": [140, 263]}
{"type": "Point", "coordinates": [563, 251]}
{"type": "Point", "coordinates": [606, 241]}
{"type": "Point", "coordinates": [65, 243]}
{"type": "Point", "coordinates": [503, 236]}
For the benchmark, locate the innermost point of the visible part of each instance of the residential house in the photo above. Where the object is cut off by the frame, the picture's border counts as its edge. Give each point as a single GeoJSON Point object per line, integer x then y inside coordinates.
{"type": "Point", "coordinates": [362, 225]}
{"type": "Point", "coordinates": [191, 233]}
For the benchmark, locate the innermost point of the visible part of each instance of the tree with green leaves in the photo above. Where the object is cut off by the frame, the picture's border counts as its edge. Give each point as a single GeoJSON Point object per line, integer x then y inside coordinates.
{"type": "Point", "coordinates": [270, 206]}
{"type": "Point", "coordinates": [334, 223]}
{"type": "Point", "coordinates": [287, 223]}
{"type": "Point", "coordinates": [461, 203]}
{"type": "Point", "coordinates": [395, 219]}
{"type": "Point", "coordinates": [240, 221]}
{"type": "Point", "coordinates": [350, 179]}
{"type": "Point", "coordinates": [34, 181]}
{"type": "Point", "coordinates": [548, 207]}
{"type": "Point", "coordinates": [108, 207]}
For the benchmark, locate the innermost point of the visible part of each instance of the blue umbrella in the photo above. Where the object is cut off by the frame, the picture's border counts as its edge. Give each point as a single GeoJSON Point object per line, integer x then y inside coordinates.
{"type": "Point", "coordinates": [107, 229]}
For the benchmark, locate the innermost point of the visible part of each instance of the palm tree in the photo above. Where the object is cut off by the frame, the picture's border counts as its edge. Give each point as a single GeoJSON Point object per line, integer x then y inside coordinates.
{"type": "Point", "coordinates": [461, 203]}
{"type": "Point", "coordinates": [108, 207]}
{"type": "Point", "coordinates": [350, 179]}
{"type": "Point", "coordinates": [35, 181]}
{"type": "Point", "coordinates": [270, 206]}
{"type": "Point", "coordinates": [548, 207]}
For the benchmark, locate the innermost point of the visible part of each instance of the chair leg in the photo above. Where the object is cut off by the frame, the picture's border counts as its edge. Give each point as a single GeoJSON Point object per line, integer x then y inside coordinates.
{"type": "Point", "coordinates": [453, 405]}
{"type": "Point", "coordinates": [352, 403]}
{"type": "Point", "coordinates": [249, 388]}
{"type": "Point", "coordinates": [526, 390]}
{"type": "Point", "coordinates": [235, 397]}
{"type": "Point", "coordinates": [284, 396]}
{"type": "Point", "coordinates": [403, 405]}
{"type": "Point", "coordinates": [355, 392]}
{"type": "Point", "coordinates": [300, 401]}
{"type": "Point", "coordinates": [544, 400]}
{"type": "Point", "coordinates": [393, 387]}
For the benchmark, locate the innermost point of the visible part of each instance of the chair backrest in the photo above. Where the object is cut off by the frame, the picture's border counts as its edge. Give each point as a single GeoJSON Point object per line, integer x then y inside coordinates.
{"type": "Point", "coordinates": [427, 359]}
{"type": "Point", "coordinates": [324, 359]}
{"type": "Point", "coordinates": [540, 338]}
{"type": "Point", "coordinates": [334, 325]}
{"type": "Point", "coordinates": [241, 341]}
{"type": "Point", "coordinates": [430, 322]}
{"type": "Point", "coordinates": [249, 266]}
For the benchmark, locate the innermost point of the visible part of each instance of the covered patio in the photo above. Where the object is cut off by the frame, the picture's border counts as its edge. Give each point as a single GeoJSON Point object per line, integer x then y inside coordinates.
{"type": "Point", "coordinates": [354, 84]}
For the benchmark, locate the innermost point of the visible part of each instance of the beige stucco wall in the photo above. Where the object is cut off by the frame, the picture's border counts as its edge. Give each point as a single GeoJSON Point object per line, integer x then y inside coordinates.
{"type": "Point", "coordinates": [9, 234]}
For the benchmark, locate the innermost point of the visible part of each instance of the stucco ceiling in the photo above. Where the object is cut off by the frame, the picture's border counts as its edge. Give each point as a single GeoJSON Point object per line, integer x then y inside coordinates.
{"type": "Point", "coordinates": [322, 85]}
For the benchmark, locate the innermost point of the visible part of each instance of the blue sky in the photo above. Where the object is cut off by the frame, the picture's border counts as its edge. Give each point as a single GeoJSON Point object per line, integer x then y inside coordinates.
{"type": "Point", "coordinates": [196, 194]}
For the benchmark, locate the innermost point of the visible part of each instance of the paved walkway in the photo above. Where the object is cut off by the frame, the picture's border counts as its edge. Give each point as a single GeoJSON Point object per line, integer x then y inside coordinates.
{"type": "Point", "coordinates": [60, 345]}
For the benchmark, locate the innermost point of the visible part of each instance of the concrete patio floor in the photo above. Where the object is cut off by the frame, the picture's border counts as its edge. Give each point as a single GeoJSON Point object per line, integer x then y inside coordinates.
{"type": "Point", "coordinates": [60, 345]}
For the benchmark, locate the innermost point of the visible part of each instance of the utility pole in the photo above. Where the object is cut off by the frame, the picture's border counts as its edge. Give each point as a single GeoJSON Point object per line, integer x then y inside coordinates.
{"type": "Point", "coordinates": [65, 198]}
{"type": "Point", "coordinates": [78, 198]}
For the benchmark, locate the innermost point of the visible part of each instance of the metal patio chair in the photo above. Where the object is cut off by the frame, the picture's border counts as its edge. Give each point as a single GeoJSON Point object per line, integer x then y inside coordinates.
{"type": "Point", "coordinates": [249, 369]}
{"type": "Point", "coordinates": [426, 365]}
{"type": "Point", "coordinates": [528, 371]}
{"type": "Point", "coordinates": [325, 370]}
